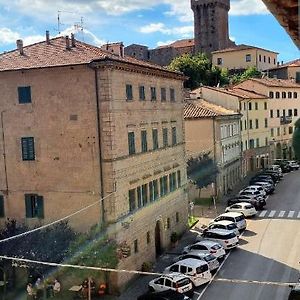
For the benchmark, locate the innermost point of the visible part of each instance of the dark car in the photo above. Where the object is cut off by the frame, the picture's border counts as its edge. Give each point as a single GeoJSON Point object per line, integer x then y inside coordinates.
{"type": "Point", "coordinates": [257, 203]}
{"type": "Point", "coordinates": [266, 178]}
{"type": "Point", "coordinates": [164, 295]}
{"type": "Point", "coordinates": [275, 176]}
{"type": "Point", "coordinates": [295, 292]}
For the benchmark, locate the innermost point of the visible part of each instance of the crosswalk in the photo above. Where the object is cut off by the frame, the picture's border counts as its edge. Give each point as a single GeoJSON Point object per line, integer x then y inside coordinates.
{"type": "Point", "coordinates": [279, 214]}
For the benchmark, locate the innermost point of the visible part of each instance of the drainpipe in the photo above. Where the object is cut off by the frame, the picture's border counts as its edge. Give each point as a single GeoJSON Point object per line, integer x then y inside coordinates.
{"type": "Point", "coordinates": [4, 152]}
{"type": "Point", "coordinates": [99, 145]}
{"type": "Point", "coordinates": [215, 150]}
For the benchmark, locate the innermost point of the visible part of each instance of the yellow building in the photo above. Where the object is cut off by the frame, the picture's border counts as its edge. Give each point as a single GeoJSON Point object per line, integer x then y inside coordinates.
{"type": "Point", "coordinates": [214, 130]}
{"type": "Point", "coordinates": [253, 125]}
{"type": "Point", "coordinates": [242, 57]}
{"type": "Point", "coordinates": [283, 110]}
{"type": "Point", "coordinates": [79, 124]}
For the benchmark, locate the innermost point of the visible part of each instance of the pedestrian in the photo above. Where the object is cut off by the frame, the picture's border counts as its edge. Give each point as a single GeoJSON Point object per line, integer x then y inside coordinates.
{"type": "Point", "coordinates": [56, 287]}
{"type": "Point", "coordinates": [30, 291]}
{"type": "Point", "coordinates": [39, 288]}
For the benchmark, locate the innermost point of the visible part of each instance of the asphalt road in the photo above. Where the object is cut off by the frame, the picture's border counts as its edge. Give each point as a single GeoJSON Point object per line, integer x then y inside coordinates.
{"type": "Point", "coordinates": [269, 250]}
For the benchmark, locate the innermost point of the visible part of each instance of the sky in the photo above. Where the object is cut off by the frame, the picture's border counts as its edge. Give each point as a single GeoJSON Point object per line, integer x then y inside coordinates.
{"type": "Point", "coordinates": [148, 22]}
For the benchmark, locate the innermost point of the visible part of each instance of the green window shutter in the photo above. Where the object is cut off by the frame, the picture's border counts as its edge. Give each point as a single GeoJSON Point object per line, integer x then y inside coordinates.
{"type": "Point", "coordinates": [24, 94]}
{"type": "Point", "coordinates": [2, 213]}
{"type": "Point", "coordinates": [40, 207]}
{"type": "Point", "coordinates": [131, 143]}
{"type": "Point", "coordinates": [144, 141]}
{"type": "Point", "coordinates": [28, 205]}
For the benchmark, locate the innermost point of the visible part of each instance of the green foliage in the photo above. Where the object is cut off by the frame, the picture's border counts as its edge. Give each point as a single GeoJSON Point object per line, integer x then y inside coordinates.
{"type": "Point", "coordinates": [199, 70]}
{"type": "Point", "coordinates": [296, 139]}
{"type": "Point", "coordinates": [202, 170]}
{"type": "Point", "coordinates": [251, 72]}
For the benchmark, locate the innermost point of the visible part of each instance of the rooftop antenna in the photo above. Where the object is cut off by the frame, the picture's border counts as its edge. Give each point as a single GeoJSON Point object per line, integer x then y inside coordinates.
{"type": "Point", "coordinates": [79, 28]}
{"type": "Point", "coordinates": [59, 23]}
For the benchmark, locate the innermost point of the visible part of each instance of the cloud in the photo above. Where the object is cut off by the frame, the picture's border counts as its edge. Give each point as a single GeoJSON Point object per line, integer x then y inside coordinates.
{"type": "Point", "coordinates": [248, 7]}
{"type": "Point", "coordinates": [183, 31]}
{"type": "Point", "coordinates": [159, 44]}
{"type": "Point", "coordinates": [7, 36]}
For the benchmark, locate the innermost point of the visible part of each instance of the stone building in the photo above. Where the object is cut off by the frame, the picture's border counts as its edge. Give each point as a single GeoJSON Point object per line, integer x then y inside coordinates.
{"type": "Point", "coordinates": [79, 124]}
{"type": "Point", "coordinates": [213, 129]}
{"type": "Point", "coordinates": [289, 70]}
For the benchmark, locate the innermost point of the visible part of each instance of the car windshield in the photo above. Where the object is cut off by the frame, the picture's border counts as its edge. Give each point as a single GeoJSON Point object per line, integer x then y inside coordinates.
{"type": "Point", "coordinates": [228, 236]}
{"type": "Point", "coordinates": [202, 269]}
{"type": "Point", "coordinates": [182, 282]}
{"type": "Point", "coordinates": [231, 226]}
{"type": "Point", "coordinates": [209, 258]}
{"type": "Point", "coordinates": [248, 206]}
{"type": "Point", "coordinates": [216, 247]}
{"type": "Point", "coordinates": [239, 218]}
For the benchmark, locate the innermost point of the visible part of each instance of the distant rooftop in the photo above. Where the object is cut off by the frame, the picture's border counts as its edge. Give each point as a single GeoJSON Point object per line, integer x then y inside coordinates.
{"type": "Point", "coordinates": [242, 47]}
{"type": "Point", "coordinates": [180, 44]}
{"type": "Point", "coordinates": [290, 64]}
{"type": "Point", "coordinates": [273, 82]}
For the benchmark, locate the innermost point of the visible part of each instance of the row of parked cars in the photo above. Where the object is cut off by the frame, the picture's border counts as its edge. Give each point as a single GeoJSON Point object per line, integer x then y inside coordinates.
{"type": "Point", "coordinates": [198, 261]}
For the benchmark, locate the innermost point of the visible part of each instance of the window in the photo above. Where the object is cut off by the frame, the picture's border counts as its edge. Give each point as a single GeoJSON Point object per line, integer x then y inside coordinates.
{"type": "Point", "coordinates": [240, 106]}
{"type": "Point", "coordinates": [269, 59]}
{"type": "Point", "coordinates": [245, 106]}
{"type": "Point", "coordinates": [290, 130]}
{"type": "Point", "coordinates": [177, 217]}
{"type": "Point", "coordinates": [153, 93]}
{"type": "Point", "coordinates": [219, 61]}
{"type": "Point", "coordinates": [266, 141]}
{"type": "Point", "coordinates": [295, 95]}
{"type": "Point", "coordinates": [295, 112]}
{"type": "Point", "coordinates": [24, 93]}
{"type": "Point", "coordinates": [266, 122]}
{"type": "Point", "coordinates": [256, 106]}
{"type": "Point", "coordinates": [271, 113]}
{"type": "Point", "coordinates": [178, 179]}
{"type": "Point", "coordinates": [139, 197]}
{"type": "Point", "coordinates": [259, 57]}
{"type": "Point", "coordinates": [264, 58]}
{"type": "Point", "coordinates": [28, 152]}
{"type": "Point", "coordinates": [245, 123]}
{"type": "Point", "coordinates": [256, 123]}
{"type": "Point", "coordinates": [250, 106]}
{"type": "Point", "coordinates": [278, 131]}
{"type": "Point", "coordinates": [274, 61]}
{"type": "Point", "coordinates": [153, 190]}
{"type": "Point", "coordinates": [290, 112]}
{"type": "Point", "coordinates": [246, 145]}
{"type": "Point", "coordinates": [248, 57]}
{"type": "Point", "coordinates": [155, 138]}
{"type": "Point", "coordinates": [129, 95]}
{"type": "Point", "coordinates": [144, 141]}
{"type": "Point", "coordinates": [172, 95]}
{"type": "Point", "coordinates": [144, 194]}
{"type": "Point", "coordinates": [163, 94]}
{"type": "Point", "coordinates": [250, 124]}
{"type": "Point", "coordinates": [2, 211]}
{"type": "Point", "coordinates": [283, 112]}
{"type": "Point", "coordinates": [174, 136]}
{"type": "Point", "coordinates": [289, 95]}
{"type": "Point", "coordinates": [241, 125]}
{"type": "Point", "coordinates": [131, 196]}
{"type": "Point", "coordinates": [136, 246]}
{"type": "Point", "coordinates": [131, 143]}
{"type": "Point", "coordinates": [142, 93]}
{"type": "Point", "coordinates": [165, 137]}
{"type": "Point", "coordinates": [251, 143]}
{"type": "Point", "coordinates": [284, 130]}
{"type": "Point", "coordinates": [283, 95]}
{"type": "Point", "coordinates": [172, 182]}
{"type": "Point", "coordinates": [265, 105]}
{"type": "Point", "coordinates": [272, 132]}
{"type": "Point", "coordinates": [148, 238]}
{"type": "Point", "coordinates": [168, 223]}
{"type": "Point", "coordinates": [257, 143]}
{"type": "Point", "coordinates": [163, 185]}
{"type": "Point", "coordinates": [34, 205]}
{"type": "Point", "coordinates": [278, 113]}
{"type": "Point", "coordinates": [277, 95]}
{"type": "Point", "coordinates": [271, 94]}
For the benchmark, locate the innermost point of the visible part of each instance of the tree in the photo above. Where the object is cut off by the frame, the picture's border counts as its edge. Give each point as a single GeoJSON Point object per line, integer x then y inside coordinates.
{"type": "Point", "coordinates": [199, 70]}
{"type": "Point", "coordinates": [251, 72]}
{"type": "Point", "coordinates": [296, 139]}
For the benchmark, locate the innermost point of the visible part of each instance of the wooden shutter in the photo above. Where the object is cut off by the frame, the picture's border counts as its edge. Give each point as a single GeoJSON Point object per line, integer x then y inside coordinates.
{"type": "Point", "coordinates": [2, 213]}
{"type": "Point", "coordinates": [28, 205]}
{"type": "Point", "coordinates": [40, 207]}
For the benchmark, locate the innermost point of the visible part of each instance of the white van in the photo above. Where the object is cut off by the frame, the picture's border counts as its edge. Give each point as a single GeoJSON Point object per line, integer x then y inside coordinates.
{"type": "Point", "coordinates": [236, 217]}
{"type": "Point", "coordinates": [197, 270]}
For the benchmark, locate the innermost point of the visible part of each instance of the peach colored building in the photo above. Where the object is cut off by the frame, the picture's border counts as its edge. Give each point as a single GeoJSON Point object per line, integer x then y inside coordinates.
{"type": "Point", "coordinates": [283, 108]}
{"type": "Point", "coordinates": [289, 70]}
{"type": "Point", "coordinates": [78, 124]}
{"type": "Point", "coordinates": [242, 57]}
{"type": "Point", "coordinates": [214, 130]}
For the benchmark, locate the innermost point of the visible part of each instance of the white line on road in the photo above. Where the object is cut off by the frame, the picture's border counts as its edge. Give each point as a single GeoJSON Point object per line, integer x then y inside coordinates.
{"type": "Point", "coordinates": [272, 214]}
{"type": "Point", "coordinates": [291, 214]}
{"type": "Point", "coordinates": [263, 213]}
{"type": "Point", "coordinates": [281, 214]}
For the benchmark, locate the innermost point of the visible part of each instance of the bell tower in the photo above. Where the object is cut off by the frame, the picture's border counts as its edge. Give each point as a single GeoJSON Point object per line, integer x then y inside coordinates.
{"type": "Point", "coordinates": [211, 25]}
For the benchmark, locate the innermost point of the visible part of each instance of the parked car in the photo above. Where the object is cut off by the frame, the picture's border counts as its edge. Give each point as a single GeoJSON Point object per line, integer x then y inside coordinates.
{"type": "Point", "coordinates": [255, 188]}
{"type": "Point", "coordinates": [247, 209]}
{"type": "Point", "coordinates": [257, 202]}
{"type": "Point", "coordinates": [275, 168]}
{"type": "Point", "coordinates": [265, 178]}
{"type": "Point", "coordinates": [226, 238]}
{"type": "Point", "coordinates": [196, 270]}
{"type": "Point", "coordinates": [165, 295]}
{"type": "Point", "coordinates": [228, 225]}
{"type": "Point", "coordinates": [295, 292]}
{"type": "Point", "coordinates": [273, 174]}
{"type": "Point", "coordinates": [269, 188]}
{"type": "Point", "coordinates": [207, 247]}
{"type": "Point", "coordinates": [175, 281]}
{"type": "Point", "coordinates": [250, 193]}
{"type": "Point", "coordinates": [294, 164]}
{"type": "Point", "coordinates": [237, 218]}
{"type": "Point", "coordinates": [212, 261]}
{"type": "Point", "coordinates": [284, 165]}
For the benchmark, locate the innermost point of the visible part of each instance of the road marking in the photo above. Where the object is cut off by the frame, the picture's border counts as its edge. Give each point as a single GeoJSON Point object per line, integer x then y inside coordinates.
{"type": "Point", "coordinates": [263, 213]}
{"type": "Point", "coordinates": [281, 214]}
{"type": "Point", "coordinates": [291, 214]}
{"type": "Point", "coordinates": [272, 214]}
{"type": "Point", "coordinates": [298, 215]}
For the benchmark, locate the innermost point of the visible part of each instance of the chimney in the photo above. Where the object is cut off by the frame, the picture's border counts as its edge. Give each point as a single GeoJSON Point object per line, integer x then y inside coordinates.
{"type": "Point", "coordinates": [20, 46]}
{"type": "Point", "coordinates": [73, 40]}
{"type": "Point", "coordinates": [121, 49]}
{"type": "Point", "coordinates": [47, 37]}
{"type": "Point", "coordinates": [68, 43]}
{"type": "Point", "coordinates": [282, 62]}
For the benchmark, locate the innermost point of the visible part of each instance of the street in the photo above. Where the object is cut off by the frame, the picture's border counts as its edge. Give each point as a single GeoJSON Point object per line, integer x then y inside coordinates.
{"type": "Point", "coordinates": [269, 250]}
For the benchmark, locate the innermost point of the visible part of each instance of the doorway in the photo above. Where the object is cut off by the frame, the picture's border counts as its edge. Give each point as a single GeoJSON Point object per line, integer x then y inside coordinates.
{"type": "Point", "coordinates": [158, 248]}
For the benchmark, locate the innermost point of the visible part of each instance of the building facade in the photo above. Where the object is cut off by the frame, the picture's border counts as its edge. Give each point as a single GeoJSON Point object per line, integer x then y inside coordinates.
{"type": "Point", "coordinates": [289, 70]}
{"type": "Point", "coordinates": [214, 130]}
{"type": "Point", "coordinates": [242, 57]}
{"type": "Point", "coordinates": [283, 109]}
{"type": "Point", "coordinates": [79, 125]}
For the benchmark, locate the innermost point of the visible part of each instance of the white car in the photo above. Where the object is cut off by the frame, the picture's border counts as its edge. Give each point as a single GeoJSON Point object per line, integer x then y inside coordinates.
{"type": "Point", "coordinates": [228, 225]}
{"type": "Point", "coordinates": [236, 217]}
{"type": "Point", "coordinates": [226, 238]}
{"type": "Point", "coordinates": [255, 188]}
{"type": "Point", "coordinates": [174, 281]}
{"type": "Point", "coordinates": [294, 164]}
{"type": "Point", "coordinates": [208, 247]}
{"type": "Point", "coordinates": [246, 208]}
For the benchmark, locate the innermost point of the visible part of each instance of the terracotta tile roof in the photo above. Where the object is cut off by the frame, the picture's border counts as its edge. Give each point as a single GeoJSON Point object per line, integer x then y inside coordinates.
{"type": "Point", "coordinates": [240, 48]}
{"type": "Point", "coordinates": [293, 63]}
{"type": "Point", "coordinates": [42, 55]}
{"type": "Point", "coordinates": [238, 92]}
{"type": "Point", "coordinates": [180, 44]}
{"type": "Point", "coordinates": [273, 82]}
{"type": "Point", "coordinates": [197, 109]}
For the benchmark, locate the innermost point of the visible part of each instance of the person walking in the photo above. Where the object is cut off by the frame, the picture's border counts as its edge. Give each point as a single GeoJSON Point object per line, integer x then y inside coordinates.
{"type": "Point", "coordinates": [56, 287]}
{"type": "Point", "coordinates": [30, 292]}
